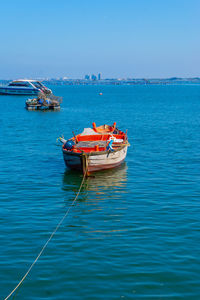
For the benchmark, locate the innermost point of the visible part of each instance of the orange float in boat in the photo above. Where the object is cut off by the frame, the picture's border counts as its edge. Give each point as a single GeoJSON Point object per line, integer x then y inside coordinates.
{"type": "Point", "coordinates": [104, 128]}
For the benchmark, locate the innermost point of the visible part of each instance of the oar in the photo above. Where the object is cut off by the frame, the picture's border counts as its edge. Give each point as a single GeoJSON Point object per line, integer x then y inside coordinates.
{"type": "Point", "coordinates": [74, 136]}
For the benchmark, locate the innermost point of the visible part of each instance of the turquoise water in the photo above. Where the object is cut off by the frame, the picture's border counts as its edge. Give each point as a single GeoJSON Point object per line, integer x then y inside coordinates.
{"type": "Point", "coordinates": [135, 231]}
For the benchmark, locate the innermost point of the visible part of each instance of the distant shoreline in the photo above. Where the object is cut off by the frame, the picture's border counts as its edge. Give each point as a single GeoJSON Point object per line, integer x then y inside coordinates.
{"type": "Point", "coordinates": [113, 81]}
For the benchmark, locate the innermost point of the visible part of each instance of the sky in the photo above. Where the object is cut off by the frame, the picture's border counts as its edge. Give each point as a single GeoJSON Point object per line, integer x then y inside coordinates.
{"type": "Point", "coordinates": [120, 39]}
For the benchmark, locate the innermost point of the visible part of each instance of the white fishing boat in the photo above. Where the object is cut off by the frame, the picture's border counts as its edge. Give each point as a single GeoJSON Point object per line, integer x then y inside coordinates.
{"type": "Point", "coordinates": [24, 87]}
{"type": "Point", "coordinates": [95, 149]}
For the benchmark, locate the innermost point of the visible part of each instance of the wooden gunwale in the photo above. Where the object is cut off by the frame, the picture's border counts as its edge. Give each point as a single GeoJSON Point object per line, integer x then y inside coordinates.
{"type": "Point", "coordinates": [95, 152]}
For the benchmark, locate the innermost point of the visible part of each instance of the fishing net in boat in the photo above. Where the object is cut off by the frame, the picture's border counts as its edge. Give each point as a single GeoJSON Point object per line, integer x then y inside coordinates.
{"type": "Point", "coordinates": [89, 144]}
{"type": "Point", "coordinates": [55, 98]}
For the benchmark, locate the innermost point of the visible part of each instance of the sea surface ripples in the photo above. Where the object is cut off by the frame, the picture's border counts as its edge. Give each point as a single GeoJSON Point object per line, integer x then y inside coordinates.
{"type": "Point", "coordinates": [134, 232]}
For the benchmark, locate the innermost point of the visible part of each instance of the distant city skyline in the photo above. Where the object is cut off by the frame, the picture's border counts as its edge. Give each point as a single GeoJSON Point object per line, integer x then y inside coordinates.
{"type": "Point", "coordinates": [129, 39]}
{"type": "Point", "coordinates": [94, 77]}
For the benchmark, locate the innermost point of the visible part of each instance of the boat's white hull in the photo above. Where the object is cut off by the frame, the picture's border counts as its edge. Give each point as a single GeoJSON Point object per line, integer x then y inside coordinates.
{"type": "Point", "coordinates": [95, 161]}
{"type": "Point", "coordinates": [18, 91]}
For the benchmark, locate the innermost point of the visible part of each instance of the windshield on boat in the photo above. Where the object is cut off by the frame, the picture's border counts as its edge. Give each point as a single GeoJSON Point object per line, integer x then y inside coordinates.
{"type": "Point", "coordinates": [19, 83]}
{"type": "Point", "coordinates": [38, 84]}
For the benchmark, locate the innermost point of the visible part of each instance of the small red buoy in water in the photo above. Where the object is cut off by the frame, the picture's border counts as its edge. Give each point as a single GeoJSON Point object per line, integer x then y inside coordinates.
{"type": "Point", "coordinates": [100, 94]}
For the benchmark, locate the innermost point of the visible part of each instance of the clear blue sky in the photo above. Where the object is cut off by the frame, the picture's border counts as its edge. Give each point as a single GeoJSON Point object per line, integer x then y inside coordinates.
{"type": "Point", "coordinates": [129, 38]}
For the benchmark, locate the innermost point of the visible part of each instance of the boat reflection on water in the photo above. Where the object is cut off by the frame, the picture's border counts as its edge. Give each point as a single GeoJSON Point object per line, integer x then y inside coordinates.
{"type": "Point", "coordinates": [113, 180]}
{"type": "Point", "coordinates": [101, 204]}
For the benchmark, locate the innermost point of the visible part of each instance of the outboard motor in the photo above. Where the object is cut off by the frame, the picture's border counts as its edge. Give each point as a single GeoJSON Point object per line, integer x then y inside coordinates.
{"type": "Point", "coordinates": [69, 145]}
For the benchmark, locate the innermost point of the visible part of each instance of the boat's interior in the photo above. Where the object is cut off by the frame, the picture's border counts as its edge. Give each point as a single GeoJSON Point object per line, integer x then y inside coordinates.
{"type": "Point", "coordinates": [96, 139]}
{"type": "Point", "coordinates": [96, 142]}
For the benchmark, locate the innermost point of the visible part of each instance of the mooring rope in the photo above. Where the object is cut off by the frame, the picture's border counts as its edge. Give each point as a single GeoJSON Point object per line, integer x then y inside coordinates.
{"type": "Point", "coordinates": [45, 245]}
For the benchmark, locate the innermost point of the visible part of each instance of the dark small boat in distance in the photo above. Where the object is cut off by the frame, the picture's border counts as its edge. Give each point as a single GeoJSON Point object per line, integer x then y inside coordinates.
{"type": "Point", "coordinates": [44, 102]}
{"type": "Point", "coordinates": [95, 149]}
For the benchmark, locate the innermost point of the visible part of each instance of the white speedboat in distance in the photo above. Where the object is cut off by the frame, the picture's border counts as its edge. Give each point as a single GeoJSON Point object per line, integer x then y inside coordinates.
{"type": "Point", "coordinates": [24, 87]}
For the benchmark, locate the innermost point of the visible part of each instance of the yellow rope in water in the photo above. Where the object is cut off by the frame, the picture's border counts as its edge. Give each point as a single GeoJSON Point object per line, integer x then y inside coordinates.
{"type": "Point", "coordinates": [45, 245]}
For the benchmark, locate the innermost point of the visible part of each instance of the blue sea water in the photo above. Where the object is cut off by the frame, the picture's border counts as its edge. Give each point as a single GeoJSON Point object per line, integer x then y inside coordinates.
{"type": "Point", "coordinates": [134, 232]}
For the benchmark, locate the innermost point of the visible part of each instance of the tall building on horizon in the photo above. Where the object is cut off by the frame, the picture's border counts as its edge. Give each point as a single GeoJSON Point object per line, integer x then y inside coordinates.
{"type": "Point", "coordinates": [94, 77]}
{"type": "Point", "coordinates": [99, 76]}
{"type": "Point", "coordinates": [87, 77]}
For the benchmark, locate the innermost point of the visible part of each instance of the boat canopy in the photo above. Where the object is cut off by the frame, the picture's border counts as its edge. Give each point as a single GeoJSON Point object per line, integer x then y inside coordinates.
{"type": "Point", "coordinates": [27, 83]}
